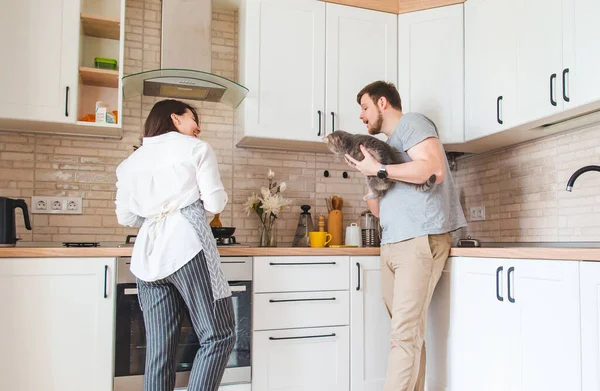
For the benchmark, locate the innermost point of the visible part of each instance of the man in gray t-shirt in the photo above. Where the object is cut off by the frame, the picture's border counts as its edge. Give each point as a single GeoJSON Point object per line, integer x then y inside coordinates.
{"type": "Point", "coordinates": [416, 225]}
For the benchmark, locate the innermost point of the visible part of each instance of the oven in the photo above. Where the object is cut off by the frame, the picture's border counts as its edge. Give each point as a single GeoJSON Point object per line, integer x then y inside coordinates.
{"type": "Point", "coordinates": [130, 344]}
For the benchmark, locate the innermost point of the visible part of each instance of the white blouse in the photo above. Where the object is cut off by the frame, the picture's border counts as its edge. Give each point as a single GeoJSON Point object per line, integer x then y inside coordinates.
{"type": "Point", "coordinates": [167, 173]}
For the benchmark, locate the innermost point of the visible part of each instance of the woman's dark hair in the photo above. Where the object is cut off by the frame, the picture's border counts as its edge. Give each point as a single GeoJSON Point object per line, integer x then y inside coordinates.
{"type": "Point", "coordinates": [379, 89]}
{"type": "Point", "coordinates": [159, 120]}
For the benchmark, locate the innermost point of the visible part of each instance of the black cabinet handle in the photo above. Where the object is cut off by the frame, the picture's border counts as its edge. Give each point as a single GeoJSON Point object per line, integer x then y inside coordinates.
{"type": "Point", "coordinates": [300, 263]}
{"type": "Point", "coordinates": [552, 81]}
{"type": "Point", "coordinates": [510, 271]}
{"type": "Point", "coordinates": [332, 122]}
{"type": "Point", "coordinates": [358, 282]}
{"type": "Point", "coordinates": [498, 110]}
{"type": "Point", "coordinates": [564, 80]}
{"type": "Point", "coordinates": [302, 337]}
{"type": "Point", "coordinates": [500, 298]}
{"type": "Point", "coordinates": [67, 102]}
{"type": "Point", "coordinates": [319, 112]}
{"type": "Point", "coordinates": [105, 278]}
{"type": "Point", "coordinates": [289, 300]}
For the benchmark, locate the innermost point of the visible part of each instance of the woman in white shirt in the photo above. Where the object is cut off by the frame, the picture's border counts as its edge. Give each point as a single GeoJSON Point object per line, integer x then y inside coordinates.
{"type": "Point", "coordinates": [164, 188]}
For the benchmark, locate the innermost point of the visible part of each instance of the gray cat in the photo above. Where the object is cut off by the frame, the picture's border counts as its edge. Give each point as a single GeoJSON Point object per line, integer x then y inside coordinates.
{"type": "Point", "coordinates": [341, 143]}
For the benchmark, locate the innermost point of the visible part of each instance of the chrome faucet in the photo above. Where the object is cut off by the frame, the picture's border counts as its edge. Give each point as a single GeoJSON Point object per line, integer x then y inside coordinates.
{"type": "Point", "coordinates": [576, 174]}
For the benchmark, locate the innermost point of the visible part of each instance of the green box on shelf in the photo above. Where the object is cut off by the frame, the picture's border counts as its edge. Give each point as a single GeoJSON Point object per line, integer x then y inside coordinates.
{"type": "Point", "coordinates": [105, 63]}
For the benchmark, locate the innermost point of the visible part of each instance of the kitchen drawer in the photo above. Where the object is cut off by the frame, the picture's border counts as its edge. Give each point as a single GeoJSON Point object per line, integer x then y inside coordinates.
{"type": "Point", "coordinates": [301, 309]}
{"type": "Point", "coordinates": [315, 359]}
{"type": "Point", "coordinates": [299, 274]}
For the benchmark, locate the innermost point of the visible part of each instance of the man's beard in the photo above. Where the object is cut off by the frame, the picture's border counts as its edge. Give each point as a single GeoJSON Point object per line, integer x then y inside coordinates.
{"type": "Point", "coordinates": [375, 129]}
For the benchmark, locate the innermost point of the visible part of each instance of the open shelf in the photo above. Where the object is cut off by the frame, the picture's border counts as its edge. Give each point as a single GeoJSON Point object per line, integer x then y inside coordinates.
{"type": "Point", "coordinates": [100, 27]}
{"type": "Point", "coordinates": [99, 77]}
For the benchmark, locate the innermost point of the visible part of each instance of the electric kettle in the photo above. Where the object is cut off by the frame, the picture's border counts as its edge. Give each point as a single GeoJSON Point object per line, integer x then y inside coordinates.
{"type": "Point", "coordinates": [8, 229]}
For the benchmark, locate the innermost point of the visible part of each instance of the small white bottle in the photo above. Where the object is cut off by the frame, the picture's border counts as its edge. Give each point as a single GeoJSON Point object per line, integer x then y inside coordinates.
{"type": "Point", "coordinates": [101, 110]}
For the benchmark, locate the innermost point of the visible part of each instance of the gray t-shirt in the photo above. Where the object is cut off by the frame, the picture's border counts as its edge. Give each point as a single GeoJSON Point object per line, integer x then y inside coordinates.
{"type": "Point", "coordinates": [407, 213]}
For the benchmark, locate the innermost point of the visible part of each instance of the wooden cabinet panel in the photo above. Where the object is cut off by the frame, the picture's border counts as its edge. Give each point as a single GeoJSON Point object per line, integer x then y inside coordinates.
{"type": "Point", "coordinates": [416, 5]}
{"type": "Point", "coordinates": [377, 5]}
{"type": "Point", "coordinates": [396, 6]}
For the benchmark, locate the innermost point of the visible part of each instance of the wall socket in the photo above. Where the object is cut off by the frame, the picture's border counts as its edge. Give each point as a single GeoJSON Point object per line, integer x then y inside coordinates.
{"type": "Point", "coordinates": [56, 205]}
{"type": "Point", "coordinates": [477, 213]}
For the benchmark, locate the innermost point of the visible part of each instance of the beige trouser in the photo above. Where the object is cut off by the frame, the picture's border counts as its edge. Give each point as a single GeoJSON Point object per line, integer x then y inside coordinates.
{"type": "Point", "coordinates": [410, 271]}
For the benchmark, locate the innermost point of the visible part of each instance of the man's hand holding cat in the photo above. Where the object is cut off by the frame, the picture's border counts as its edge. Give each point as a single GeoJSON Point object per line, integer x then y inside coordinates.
{"type": "Point", "coordinates": [368, 166]}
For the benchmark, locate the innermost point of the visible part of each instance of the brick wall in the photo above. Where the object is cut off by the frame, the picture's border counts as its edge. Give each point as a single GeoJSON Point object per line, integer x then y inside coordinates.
{"type": "Point", "coordinates": [75, 166]}
{"type": "Point", "coordinates": [523, 190]}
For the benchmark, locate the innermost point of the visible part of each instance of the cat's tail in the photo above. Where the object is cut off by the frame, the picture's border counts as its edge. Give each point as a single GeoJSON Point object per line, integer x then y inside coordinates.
{"type": "Point", "coordinates": [427, 185]}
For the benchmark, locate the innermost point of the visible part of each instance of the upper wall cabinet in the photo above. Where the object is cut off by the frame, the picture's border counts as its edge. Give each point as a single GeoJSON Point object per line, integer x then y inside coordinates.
{"type": "Point", "coordinates": [524, 70]}
{"type": "Point", "coordinates": [539, 54]}
{"type": "Point", "coordinates": [40, 40]}
{"type": "Point", "coordinates": [51, 82]}
{"type": "Point", "coordinates": [102, 35]}
{"type": "Point", "coordinates": [427, 39]}
{"type": "Point", "coordinates": [361, 48]}
{"type": "Point", "coordinates": [490, 66]}
{"type": "Point", "coordinates": [581, 55]}
{"type": "Point", "coordinates": [282, 63]}
{"type": "Point", "coordinates": [558, 56]}
{"type": "Point", "coordinates": [304, 61]}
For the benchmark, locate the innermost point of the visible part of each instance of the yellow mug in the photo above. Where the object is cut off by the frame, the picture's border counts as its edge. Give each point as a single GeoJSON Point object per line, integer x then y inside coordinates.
{"type": "Point", "coordinates": [319, 239]}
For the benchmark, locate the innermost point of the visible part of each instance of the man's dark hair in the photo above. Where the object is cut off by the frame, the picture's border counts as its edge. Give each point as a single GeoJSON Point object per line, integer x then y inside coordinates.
{"type": "Point", "coordinates": [159, 120]}
{"type": "Point", "coordinates": [379, 89]}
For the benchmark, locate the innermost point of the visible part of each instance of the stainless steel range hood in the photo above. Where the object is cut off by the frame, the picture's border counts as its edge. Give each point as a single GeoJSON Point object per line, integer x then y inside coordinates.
{"type": "Point", "coordinates": [185, 59]}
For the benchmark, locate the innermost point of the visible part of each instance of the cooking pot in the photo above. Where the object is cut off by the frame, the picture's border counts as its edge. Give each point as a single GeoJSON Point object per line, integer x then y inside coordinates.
{"type": "Point", "coordinates": [222, 232]}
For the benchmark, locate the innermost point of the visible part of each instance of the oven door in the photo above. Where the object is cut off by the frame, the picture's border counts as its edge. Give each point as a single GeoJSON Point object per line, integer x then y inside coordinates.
{"type": "Point", "coordinates": [238, 366]}
{"type": "Point", "coordinates": [130, 346]}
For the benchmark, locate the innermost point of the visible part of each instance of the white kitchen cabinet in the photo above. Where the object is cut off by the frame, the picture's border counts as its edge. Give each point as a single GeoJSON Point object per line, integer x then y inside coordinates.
{"type": "Point", "coordinates": [539, 58]}
{"type": "Point", "coordinates": [370, 330]}
{"type": "Point", "coordinates": [300, 309]}
{"type": "Point", "coordinates": [303, 60]}
{"type": "Point", "coordinates": [361, 48]}
{"type": "Point", "coordinates": [282, 63]}
{"type": "Point", "coordinates": [51, 83]}
{"type": "Point", "coordinates": [581, 57]}
{"type": "Point", "coordinates": [427, 39]}
{"type": "Point", "coordinates": [301, 325]}
{"type": "Point", "coordinates": [529, 64]}
{"type": "Point", "coordinates": [479, 327]}
{"type": "Point", "coordinates": [57, 328]}
{"type": "Point", "coordinates": [314, 359]}
{"type": "Point", "coordinates": [507, 314]}
{"type": "Point", "coordinates": [547, 324]}
{"type": "Point", "coordinates": [38, 73]}
{"type": "Point", "coordinates": [301, 274]}
{"type": "Point", "coordinates": [491, 39]}
{"type": "Point", "coordinates": [369, 326]}
{"type": "Point", "coordinates": [103, 35]}
{"type": "Point", "coordinates": [438, 346]}
{"type": "Point", "coordinates": [590, 325]}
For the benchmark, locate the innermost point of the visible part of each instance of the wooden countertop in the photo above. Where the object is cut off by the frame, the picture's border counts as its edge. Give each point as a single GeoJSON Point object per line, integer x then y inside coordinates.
{"type": "Point", "coordinates": [37, 252]}
{"type": "Point", "coordinates": [566, 254]}
{"type": "Point", "coordinates": [575, 254]}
